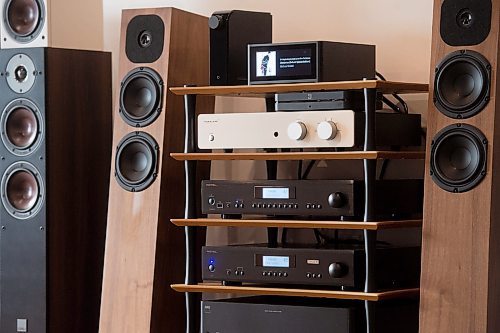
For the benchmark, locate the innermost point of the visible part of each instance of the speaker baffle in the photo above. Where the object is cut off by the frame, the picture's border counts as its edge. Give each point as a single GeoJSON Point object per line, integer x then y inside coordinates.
{"type": "Point", "coordinates": [136, 162]}
{"type": "Point", "coordinates": [462, 84]}
{"type": "Point", "coordinates": [458, 158]}
{"type": "Point", "coordinates": [23, 191]}
{"type": "Point", "coordinates": [22, 127]}
{"type": "Point", "coordinates": [24, 19]}
{"type": "Point", "coordinates": [141, 97]}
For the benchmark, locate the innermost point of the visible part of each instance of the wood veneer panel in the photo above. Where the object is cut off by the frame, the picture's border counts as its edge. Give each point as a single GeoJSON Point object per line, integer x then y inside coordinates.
{"type": "Point", "coordinates": [302, 224]}
{"type": "Point", "coordinates": [312, 293]}
{"type": "Point", "coordinates": [356, 155]}
{"type": "Point", "coordinates": [144, 253]}
{"type": "Point", "coordinates": [460, 288]}
{"type": "Point", "coordinates": [385, 87]}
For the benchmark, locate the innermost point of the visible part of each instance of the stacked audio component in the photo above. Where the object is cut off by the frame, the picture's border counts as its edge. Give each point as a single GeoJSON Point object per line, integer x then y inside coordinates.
{"type": "Point", "coordinates": [460, 256]}
{"type": "Point", "coordinates": [159, 48]}
{"type": "Point", "coordinates": [55, 155]}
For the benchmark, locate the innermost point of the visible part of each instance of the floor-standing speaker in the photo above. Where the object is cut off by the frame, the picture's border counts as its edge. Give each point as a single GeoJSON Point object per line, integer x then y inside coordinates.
{"type": "Point", "coordinates": [160, 48]}
{"type": "Point", "coordinates": [42, 23]}
{"type": "Point", "coordinates": [460, 289]}
{"type": "Point", "coordinates": [55, 128]}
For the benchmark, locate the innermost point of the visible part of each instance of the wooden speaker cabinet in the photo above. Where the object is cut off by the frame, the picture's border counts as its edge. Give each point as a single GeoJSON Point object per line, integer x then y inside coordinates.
{"type": "Point", "coordinates": [160, 48]}
{"type": "Point", "coordinates": [460, 285]}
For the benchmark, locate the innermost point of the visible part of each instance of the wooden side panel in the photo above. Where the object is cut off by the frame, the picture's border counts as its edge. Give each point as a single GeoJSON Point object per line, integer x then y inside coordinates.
{"type": "Point", "coordinates": [144, 253]}
{"type": "Point", "coordinates": [78, 158]}
{"type": "Point", "coordinates": [457, 256]}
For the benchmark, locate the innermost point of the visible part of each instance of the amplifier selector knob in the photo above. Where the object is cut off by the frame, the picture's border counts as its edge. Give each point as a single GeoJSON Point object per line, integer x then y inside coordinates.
{"type": "Point", "coordinates": [297, 131]}
{"type": "Point", "coordinates": [327, 130]}
{"type": "Point", "coordinates": [336, 200]}
{"type": "Point", "coordinates": [337, 270]}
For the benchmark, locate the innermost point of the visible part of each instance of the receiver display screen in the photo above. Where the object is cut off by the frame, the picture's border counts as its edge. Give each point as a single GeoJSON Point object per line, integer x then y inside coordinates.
{"type": "Point", "coordinates": [276, 261]}
{"type": "Point", "coordinates": [275, 193]}
{"type": "Point", "coordinates": [282, 63]}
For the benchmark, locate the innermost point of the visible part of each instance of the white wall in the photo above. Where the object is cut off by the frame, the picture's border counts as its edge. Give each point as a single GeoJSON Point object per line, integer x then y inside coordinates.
{"type": "Point", "coordinates": [401, 29]}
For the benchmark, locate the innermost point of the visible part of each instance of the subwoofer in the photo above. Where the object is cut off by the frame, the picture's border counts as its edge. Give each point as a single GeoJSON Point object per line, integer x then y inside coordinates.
{"type": "Point", "coordinates": [43, 23]}
{"type": "Point", "coordinates": [160, 48]}
{"type": "Point", "coordinates": [55, 128]}
{"type": "Point", "coordinates": [460, 254]}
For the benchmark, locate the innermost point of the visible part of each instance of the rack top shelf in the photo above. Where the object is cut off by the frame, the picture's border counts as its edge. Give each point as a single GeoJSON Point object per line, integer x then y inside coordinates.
{"type": "Point", "coordinates": [268, 90]}
{"type": "Point", "coordinates": [351, 155]}
{"type": "Point", "coordinates": [306, 224]}
{"type": "Point", "coordinates": [312, 293]}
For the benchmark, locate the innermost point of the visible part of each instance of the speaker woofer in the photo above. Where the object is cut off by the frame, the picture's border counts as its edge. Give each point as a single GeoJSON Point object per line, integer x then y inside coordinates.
{"type": "Point", "coordinates": [22, 127]}
{"type": "Point", "coordinates": [136, 162]}
{"type": "Point", "coordinates": [462, 84]}
{"type": "Point", "coordinates": [24, 19]}
{"type": "Point", "coordinates": [140, 97]}
{"type": "Point", "coordinates": [458, 158]}
{"type": "Point", "coordinates": [22, 190]}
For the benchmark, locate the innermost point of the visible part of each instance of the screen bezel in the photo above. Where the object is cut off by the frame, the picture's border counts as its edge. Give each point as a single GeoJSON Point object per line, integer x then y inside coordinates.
{"type": "Point", "coordinates": [252, 66]}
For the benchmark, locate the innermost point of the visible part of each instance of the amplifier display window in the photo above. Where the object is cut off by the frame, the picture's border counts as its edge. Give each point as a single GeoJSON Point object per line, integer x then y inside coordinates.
{"type": "Point", "coordinates": [274, 192]}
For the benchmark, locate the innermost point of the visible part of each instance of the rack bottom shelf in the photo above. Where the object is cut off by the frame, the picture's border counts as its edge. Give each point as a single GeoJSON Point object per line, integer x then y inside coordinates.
{"type": "Point", "coordinates": [311, 293]}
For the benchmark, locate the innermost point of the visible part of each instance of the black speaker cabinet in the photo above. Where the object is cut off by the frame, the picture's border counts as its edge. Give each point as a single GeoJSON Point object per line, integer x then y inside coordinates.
{"type": "Point", "coordinates": [460, 292]}
{"type": "Point", "coordinates": [55, 153]}
{"type": "Point", "coordinates": [230, 34]}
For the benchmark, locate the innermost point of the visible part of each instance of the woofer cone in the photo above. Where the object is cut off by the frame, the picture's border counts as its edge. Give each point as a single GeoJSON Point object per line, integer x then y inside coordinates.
{"type": "Point", "coordinates": [140, 97]}
{"type": "Point", "coordinates": [136, 162]}
{"type": "Point", "coordinates": [22, 190]}
{"type": "Point", "coordinates": [24, 19]}
{"type": "Point", "coordinates": [22, 127]}
{"type": "Point", "coordinates": [458, 158]}
{"type": "Point", "coordinates": [462, 84]}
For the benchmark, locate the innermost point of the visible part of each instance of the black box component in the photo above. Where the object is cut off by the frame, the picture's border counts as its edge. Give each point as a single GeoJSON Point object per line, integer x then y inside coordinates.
{"type": "Point", "coordinates": [295, 315]}
{"type": "Point", "coordinates": [230, 34]}
{"type": "Point", "coordinates": [339, 266]}
{"type": "Point", "coordinates": [332, 198]}
{"type": "Point", "coordinates": [323, 100]}
{"type": "Point", "coordinates": [316, 61]}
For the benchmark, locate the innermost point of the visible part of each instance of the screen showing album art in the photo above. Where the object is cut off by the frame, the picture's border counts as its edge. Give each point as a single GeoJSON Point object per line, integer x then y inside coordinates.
{"type": "Point", "coordinates": [283, 62]}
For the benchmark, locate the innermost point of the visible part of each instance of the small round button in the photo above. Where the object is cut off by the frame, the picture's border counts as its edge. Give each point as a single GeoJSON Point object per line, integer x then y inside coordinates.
{"type": "Point", "coordinates": [242, 273]}
{"type": "Point", "coordinates": [285, 274]}
{"type": "Point", "coordinates": [275, 274]}
{"type": "Point", "coordinates": [211, 268]}
{"type": "Point", "coordinates": [319, 276]}
{"type": "Point", "coordinates": [327, 130]}
{"type": "Point", "coordinates": [211, 201]}
{"type": "Point", "coordinates": [264, 273]}
{"type": "Point", "coordinates": [297, 131]}
{"type": "Point", "coordinates": [308, 206]}
{"type": "Point", "coordinates": [254, 205]}
{"type": "Point", "coordinates": [237, 273]}
{"type": "Point", "coordinates": [211, 138]}
{"type": "Point", "coordinates": [275, 206]}
{"type": "Point", "coordinates": [313, 206]}
{"type": "Point", "coordinates": [319, 206]}
{"type": "Point", "coordinates": [308, 275]}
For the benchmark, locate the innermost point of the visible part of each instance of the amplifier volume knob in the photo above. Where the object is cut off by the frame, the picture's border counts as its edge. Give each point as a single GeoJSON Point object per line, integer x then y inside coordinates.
{"type": "Point", "coordinates": [337, 270]}
{"type": "Point", "coordinates": [327, 130]}
{"type": "Point", "coordinates": [336, 200]}
{"type": "Point", "coordinates": [297, 131]}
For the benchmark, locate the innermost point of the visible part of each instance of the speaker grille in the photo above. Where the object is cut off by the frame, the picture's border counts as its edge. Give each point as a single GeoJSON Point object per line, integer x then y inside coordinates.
{"type": "Point", "coordinates": [462, 84]}
{"type": "Point", "coordinates": [22, 190]}
{"type": "Point", "coordinates": [24, 19]}
{"type": "Point", "coordinates": [140, 97]}
{"type": "Point", "coordinates": [22, 127]}
{"type": "Point", "coordinates": [458, 158]}
{"type": "Point", "coordinates": [136, 161]}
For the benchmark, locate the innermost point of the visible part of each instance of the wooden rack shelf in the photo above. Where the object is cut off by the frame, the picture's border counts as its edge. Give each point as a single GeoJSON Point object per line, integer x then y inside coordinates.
{"type": "Point", "coordinates": [311, 293]}
{"type": "Point", "coordinates": [302, 224]}
{"type": "Point", "coordinates": [351, 155]}
{"type": "Point", "coordinates": [268, 90]}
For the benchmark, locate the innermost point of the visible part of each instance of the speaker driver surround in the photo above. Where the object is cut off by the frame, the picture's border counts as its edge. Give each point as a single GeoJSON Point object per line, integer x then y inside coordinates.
{"type": "Point", "coordinates": [136, 161]}
{"type": "Point", "coordinates": [458, 158]}
{"type": "Point", "coordinates": [140, 97]}
{"type": "Point", "coordinates": [22, 127]}
{"type": "Point", "coordinates": [462, 84]}
{"type": "Point", "coordinates": [22, 190]}
{"type": "Point", "coordinates": [24, 19]}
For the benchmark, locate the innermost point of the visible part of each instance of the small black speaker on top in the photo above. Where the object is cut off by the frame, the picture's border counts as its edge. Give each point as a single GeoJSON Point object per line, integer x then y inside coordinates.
{"type": "Point", "coordinates": [230, 34]}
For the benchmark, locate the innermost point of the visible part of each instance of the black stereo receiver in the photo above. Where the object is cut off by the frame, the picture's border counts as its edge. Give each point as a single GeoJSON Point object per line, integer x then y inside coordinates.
{"type": "Point", "coordinates": [296, 315]}
{"type": "Point", "coordinates": [323, 100]}
{"type": "Point", "coordinates": [317, 61]}
{"type": "Point", "coordinates": [395, 198]}
{"type": "Point", "coordinates": [339, 266]}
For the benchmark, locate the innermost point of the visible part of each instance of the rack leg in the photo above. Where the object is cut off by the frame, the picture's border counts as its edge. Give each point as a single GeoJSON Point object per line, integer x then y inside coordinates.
{"type": "Point", "coordinates": [192, 251]}
{"type": "Point", "coordinates": [370, 237]}
{"type": "Point", "coordinates": [272, 174]}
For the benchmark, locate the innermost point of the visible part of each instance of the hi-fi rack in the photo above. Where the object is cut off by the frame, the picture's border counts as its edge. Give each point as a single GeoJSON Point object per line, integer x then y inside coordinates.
{"type": "Point", "coordinates": [196, 227]}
